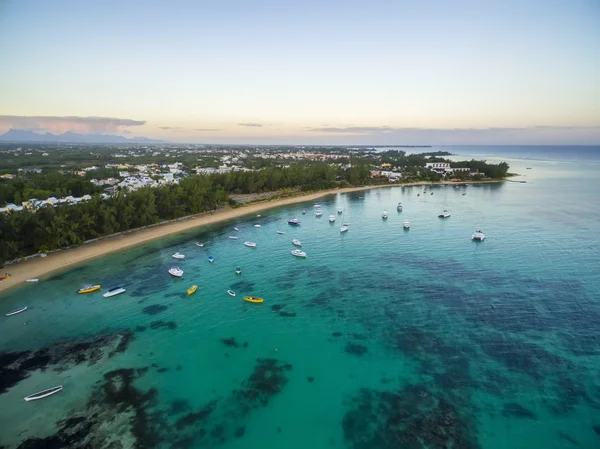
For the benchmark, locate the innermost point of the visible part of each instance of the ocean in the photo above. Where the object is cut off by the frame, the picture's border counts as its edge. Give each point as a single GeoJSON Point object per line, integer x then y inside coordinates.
{"type": "Point", "coordinates": [381, 338]}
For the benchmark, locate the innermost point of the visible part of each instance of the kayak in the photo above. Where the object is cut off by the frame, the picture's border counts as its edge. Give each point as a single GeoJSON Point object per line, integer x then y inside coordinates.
{"type": "Point", "coordinates": [14, 312]}
{"type": "Point", "coordinates": [254, 299]}
{"type": "Point", "coordinates": [43, 393]}
{"type": "Point", "coordinates": [192, 289]}
{"type": "Point", "coordinates": [231, 292]}
{"type": "Point", "coordinates": [88, 289]}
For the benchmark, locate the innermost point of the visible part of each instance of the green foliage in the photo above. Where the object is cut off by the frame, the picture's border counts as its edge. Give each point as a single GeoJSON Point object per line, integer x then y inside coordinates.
{"type": "Point", "coordinates": [495, 171]}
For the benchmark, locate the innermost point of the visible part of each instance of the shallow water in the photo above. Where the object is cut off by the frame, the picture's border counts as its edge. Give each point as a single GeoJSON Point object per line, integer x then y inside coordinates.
{"type": "Point", "coordinates": [380, 338]}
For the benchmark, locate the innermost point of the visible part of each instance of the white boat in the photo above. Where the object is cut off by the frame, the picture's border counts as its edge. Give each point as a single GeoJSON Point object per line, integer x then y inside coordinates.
{"type": "Point", "coordinates": [32, 280]}
{"type": "Point", "coordinates": [257, 226]}
{"type": "Point", "coordinates": [211, 259]}
{"type": "Point", "coordinates": [478, 235]}
{"type": "Point", "coordinates": [344, 228]}
{"type": "Point", "coordinates": [318, 213]}
{"type": "Point", "coordinates": [294, 222]}
{"type": "Point", "coordinates": [14, 312]}
{"type": "Point", "coordinates": [178, 256]}
{"type": "Point", "coordinates": [444, 214]}
{"type": "Point", "coordinates": [114, 292]}
{"type": "Point", "coordinates": [280, 232]}
{"type": "Point", "coordinates": [399, 207]}
{"type": "Point", "coordinates": [339, 210]}
{"type": "Point", "coordinates": [250, 244]}
{"type": "Point", "coordinates": [296, 242]}
{"type": "Point", "coordinates": [235, 229]}
{"type": "Point", "coordinates": [316, 205]}
{"type": "Point", "coordinates": [200, 245]}
{"type": "Point", "coordinates": [384, 214]}
{"type": "Point", "coordinates": [176, 271]}
{"type": "Point", "coordinates": [406, 225]}
{"type": "Point", "coordinates": [331, 218]}
{"type": "Point", "coordinates": [43, 393]}
{"type": "Point", "coordinates": [231, 292]}
{"type": "Point", "coordinates": [298, 253]}
{"type": "Point", "coordinates": [233, 237]}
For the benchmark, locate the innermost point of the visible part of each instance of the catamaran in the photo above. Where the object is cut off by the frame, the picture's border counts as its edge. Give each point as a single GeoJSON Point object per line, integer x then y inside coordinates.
{"type": "Point", "coordinates": [444, 214]}
{"type": "Point", "coordinates": [478, 235]}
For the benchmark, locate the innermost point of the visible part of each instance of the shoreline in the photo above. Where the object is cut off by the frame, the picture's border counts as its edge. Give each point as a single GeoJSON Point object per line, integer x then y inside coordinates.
{"type": "Point", "coordinates": [38, 267]}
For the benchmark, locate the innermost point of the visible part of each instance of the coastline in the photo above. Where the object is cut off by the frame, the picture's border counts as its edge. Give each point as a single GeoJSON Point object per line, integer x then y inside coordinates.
{"type": "Point", "coordinates": [39, 267]}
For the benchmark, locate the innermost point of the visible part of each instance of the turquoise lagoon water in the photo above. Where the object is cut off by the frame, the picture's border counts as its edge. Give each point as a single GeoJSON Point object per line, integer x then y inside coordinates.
{"type": "Point", "coordinates": [381, 338]}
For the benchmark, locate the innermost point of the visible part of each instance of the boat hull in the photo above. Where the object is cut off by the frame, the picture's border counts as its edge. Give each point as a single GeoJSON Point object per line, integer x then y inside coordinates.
{"type": "Point", "coordinates": [253, 299]}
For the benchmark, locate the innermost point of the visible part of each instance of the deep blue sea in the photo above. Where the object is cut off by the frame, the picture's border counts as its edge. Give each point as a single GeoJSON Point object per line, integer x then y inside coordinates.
{"type": "Point", "coordinates": [381, 338]}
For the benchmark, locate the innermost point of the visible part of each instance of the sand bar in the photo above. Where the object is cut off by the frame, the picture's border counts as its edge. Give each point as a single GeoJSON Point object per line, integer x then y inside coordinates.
{"type": "Point", "coordinates": [39, 267]}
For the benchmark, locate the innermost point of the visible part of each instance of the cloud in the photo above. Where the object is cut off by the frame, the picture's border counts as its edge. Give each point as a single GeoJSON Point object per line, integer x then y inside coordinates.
{"type": "Point", "coordinates": [251, 125]}
{"type": "Point", "coordinates": [60, 124]}
{"type": "Point", "coordinates": [354, 129]}
{"type": "Point", "coordinates": [206, 129]}
{"type": "Point", "coordinates": [171, 128]}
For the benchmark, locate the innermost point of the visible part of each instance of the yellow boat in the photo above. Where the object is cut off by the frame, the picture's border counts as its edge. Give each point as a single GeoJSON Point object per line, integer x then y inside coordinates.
{"type": "Point", "coordinates": [192, 289]}
{"type": "Point", "coordinates": [254, 299]}
{"type": "Point", "coordinates": [89, 289]}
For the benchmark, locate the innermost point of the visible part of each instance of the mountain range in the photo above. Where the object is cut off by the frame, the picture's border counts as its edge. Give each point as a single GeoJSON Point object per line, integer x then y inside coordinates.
{"type": "Point", "coordinates": [19, 135]}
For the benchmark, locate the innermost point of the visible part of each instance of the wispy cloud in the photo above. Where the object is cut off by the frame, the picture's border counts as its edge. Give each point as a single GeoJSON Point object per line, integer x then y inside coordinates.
{"type": "Point", "coordinates": [171, 128]}
{"type": "Point", "coordinates": [251, 125]}
{"type": "Point", "coordinates": [59, 124]}
{"type": "Point", "coordinates": [206, 129]}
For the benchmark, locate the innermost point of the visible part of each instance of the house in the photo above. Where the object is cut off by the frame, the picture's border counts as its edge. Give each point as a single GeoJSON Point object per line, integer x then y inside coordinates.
{"type": "Point", "coordinates": [437, 166]}
{"type": "Point", "coordinates": [392, 176]}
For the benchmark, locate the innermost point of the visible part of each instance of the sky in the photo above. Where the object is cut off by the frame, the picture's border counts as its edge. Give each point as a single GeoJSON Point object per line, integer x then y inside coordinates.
{"type": "Point", "coordinates": [305, 72]}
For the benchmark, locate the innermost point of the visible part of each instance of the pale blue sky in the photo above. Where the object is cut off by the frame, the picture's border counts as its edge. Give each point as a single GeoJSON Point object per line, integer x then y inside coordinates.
{"type": "Point", "coordinates": [305, 71]}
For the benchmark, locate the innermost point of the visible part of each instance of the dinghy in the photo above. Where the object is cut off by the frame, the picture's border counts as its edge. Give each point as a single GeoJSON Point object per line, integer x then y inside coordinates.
{"type": "Point", "coordinates": [88, 289]}
{"type": "Point", "coordinates": [178, 256]}
{"type": "Point", "coordinates": [231, 292]}
{"type": "Point", "coordinates": [192, 289]}
{"type": "Point", "coordinates": [114, 292]}
{"type": "Point", "coordinates": [43, 394]}
{"type": "Point", "coordinates": [200, 245]}
{"type": "Point", "coordinates": [14, 312]}
{"type": "Point", "coordinates": [254, 299]}
{"type": "Point", "coordinates": [235, 229]}
{"type": "Point", "coordinates": [257, 226]}
{"type": "Point", "coordinates": [250, 244]}
{"type": "Point", "coordinates": [280, 232]}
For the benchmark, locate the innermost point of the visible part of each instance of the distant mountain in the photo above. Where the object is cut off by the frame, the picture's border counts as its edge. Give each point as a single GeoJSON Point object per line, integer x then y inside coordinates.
{"type": "Point", "coordinates": [19, 135]}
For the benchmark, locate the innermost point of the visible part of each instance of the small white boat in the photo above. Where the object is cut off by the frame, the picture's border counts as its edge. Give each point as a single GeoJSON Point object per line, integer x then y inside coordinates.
{"type": "Point", "coordinates": [235, 229]}
{"type": "Point", "coordinates": [200, 245]}
{"type": "Point", "coordinates": [296, 242]}
{"type": "Point", "coordinates": [176, 271]}
{"type": "Point", "coordinates": [232, 237]}
{"type": "Point", "coordinates": [250, 244]}
{"type": "Point", "coordinates": [318, 213]}
{"type": "Point", "coordinates": [444, 214]}
{"type": "Point", "coordinates": [298, 253]}
{"type": "Point", "coordinates": [258, 216]}
{"type": "Point", "coordinates": [280, 232]}
{"type": "Point", "coordinates": [178, 256]}
{"type": "Point", "coordinates": [316, 205]}
{"type": "Point", "coordinates": [14, 312]}
{"type": "Point", "coordinates": [384, 214]}
{"type": "Point", "coordinates": [211, 259]}
{"type": "Point", "coordinates": [43, 393]}
{"type": "Point", "coordinates": [406, 225]}
{"type": "Point", "coordinates": [294, 222]}
{"type": "Point", "coordinates": [478, 235]}
{"type": "Point", "coordinates": [331, 218]}
{"type": "Point", "coordinates": [344, 228]}
{"type": "Point", "coordinates": [339, 210]}
{"type": "Point", "coordinates": [32, 280]}
{"type": "Point", "coordinates": [114, 292]}
{"type": "Point", "coordinates": [399, 207]}
{"type": "Point", "coordinates": [257, 226]}
{"type": "Point", "coordinates": [231, 292]}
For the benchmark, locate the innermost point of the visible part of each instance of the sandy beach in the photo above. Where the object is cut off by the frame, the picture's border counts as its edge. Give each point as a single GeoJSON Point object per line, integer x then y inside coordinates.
{"type": "Point", "coordinates": [39, 267]}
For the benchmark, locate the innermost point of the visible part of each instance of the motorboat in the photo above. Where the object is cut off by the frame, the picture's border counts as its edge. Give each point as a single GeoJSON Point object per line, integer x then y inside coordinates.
{"type": "Point", "coordinates": [296, 242]}
{"type": "Point", "coordinates": [303, 212]}
{"type": "Point", "coordinates": [257, 226]}
{"type": "Point", "coordinates": [344, 228]}
{"type": "Point", "coordinates": [15, 312]}
{"type": "Point", "coordinates": [384, 214]}
{"type": "Point", "coordinates": [280, 232]}
{"type": "Point", "coordinates": [88, 289]}
{"type": "Point", "coordinates": [250, 244]}
{"type": "Point", "coordinates": [192, 289]}
{"type": "Point", "coordinates": [43, 394]}
{"type": "Point", "coordinates": [316, 205]}
{"type": "Point", "coordinates": [254, 299]}
{"type": "Point", "coordinates": [298, 253]}
{"type": "Point", "coordinates": [176, 271]}
{"type": "Point", "coordinates": [294, 222]}
{"type": "Point", "coordinates": [114, 291]}
{"type": "Point", "coordinates": [211, 259]}
{"type": "Point", "coordinates": [238, 270]}
{"type": "Point", "coordinates": [235, 229]}
{"type": "Point", "coordinates": [32, 280]}
{"type": "Point", "coordinates": [444, 214]}
{"type": "Point", "coordinates": [399, 207]}
{"type": "Point", "coordinates": [178, 256]}
{"type": "Point", "coordinates": [406, 225]}
{"type": "Point", "coordinates": [232, 237]}
{"type": "Point", "coordinates": [318, 213]}
{"type": "Point", "coordinates": [478, 235]}
{"type": "Point", "coordinates": [258, 216]}
{"type": "Point", "coordinates": [231, 292]}
{"type": "Point", "coordinates": [200, 245]}
{"type": "Point", "coordinates": [331, 218]}
{"type": "Point", "coordinates": [339, 210]}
